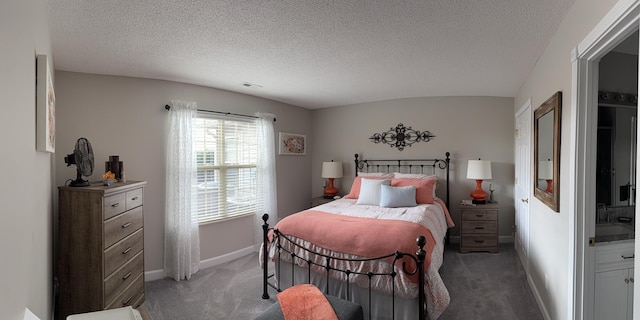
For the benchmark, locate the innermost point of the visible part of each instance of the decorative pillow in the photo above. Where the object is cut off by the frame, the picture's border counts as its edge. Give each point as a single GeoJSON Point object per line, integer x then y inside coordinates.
{"type": "Point", "coordinates": [419, 176]}
{"type": "Point", "coordinates": [370, 191]}
{"type": "Point", "coordinates": [394, 197]}
{"type": "Point", "coordinates": [355, 187]}
{"type": "Point", "coordinates": [424, 188]}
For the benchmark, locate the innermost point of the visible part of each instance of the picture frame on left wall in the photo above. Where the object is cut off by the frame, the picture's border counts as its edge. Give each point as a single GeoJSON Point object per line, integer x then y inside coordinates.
{"type": "Point", "coordinates": [45, 106]}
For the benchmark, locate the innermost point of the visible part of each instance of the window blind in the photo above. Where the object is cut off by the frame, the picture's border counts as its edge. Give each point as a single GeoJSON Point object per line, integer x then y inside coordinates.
{"type": "Point", "coordinates": [226, 160]}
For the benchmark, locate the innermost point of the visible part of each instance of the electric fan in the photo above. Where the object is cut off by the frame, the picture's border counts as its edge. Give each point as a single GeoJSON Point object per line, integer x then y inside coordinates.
{"type": "Point", "coordinates": [82, 157]}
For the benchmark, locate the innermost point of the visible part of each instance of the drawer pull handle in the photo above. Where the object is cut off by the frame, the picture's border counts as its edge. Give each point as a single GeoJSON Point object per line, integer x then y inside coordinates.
{"type": "Point", "coordinates": [626, 280]}
{"type": "Point", "coordinates": [479, 228]}
{"type": "Point", "coordinates": [115, 204]}
{"type": "Point", "coordinates": [479, 241]}
{"type": "Point", "coordinates": [134, 198]}
{"type": "Point", "coordinates": [126, 250]}
{"type": "Point", "coordinates": [126, 302]}
{"type": "Point", "coordinates": [628, 257]}
{"type": "Point", "coordinates": [479, 215]}
{"type": "Point", "coordinates": [126, 276]}
{"type": "Point", "coordinates": [126, 225]}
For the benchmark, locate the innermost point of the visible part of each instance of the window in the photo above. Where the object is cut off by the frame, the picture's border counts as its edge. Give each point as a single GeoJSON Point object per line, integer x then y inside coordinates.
{"type": "Point", "coordinates": [226, 159]}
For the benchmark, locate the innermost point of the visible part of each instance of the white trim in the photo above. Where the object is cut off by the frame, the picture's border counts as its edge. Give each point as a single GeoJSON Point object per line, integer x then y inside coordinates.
{"type": "Point", "coordinates": [616, 25]}
{"type": "Point", "coordinates": [204, 264]}
{"type": "Point", "coordinates": [536, 295]}
{"type": "Point", "coordinates": [525, 106]}
{"type": "Point", "coordinates": [605, 35]}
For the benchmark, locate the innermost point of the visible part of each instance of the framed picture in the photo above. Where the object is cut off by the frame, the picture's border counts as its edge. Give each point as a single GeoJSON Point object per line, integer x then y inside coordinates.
{"type": "Point", "coordinates": [292, 144]}
{"type": "Point", "coordinates": [45, 106]}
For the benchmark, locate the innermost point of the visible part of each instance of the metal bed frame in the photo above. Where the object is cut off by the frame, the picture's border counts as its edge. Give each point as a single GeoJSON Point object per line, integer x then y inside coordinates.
{"type": "Point", "coordinates": [408, 166]}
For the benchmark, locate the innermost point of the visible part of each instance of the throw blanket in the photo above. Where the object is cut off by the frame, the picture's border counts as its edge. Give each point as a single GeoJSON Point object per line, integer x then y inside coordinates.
{"type": "Point", "coordinates": [305, 302]}
{"type": "Point", "coordinates": [366, 237]}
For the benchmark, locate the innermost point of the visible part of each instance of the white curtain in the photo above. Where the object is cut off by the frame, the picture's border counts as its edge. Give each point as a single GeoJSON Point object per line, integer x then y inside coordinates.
{"type": "Point", "coordinates": [266, 174]}
{"type": "Point", "coordinates": [181, 236]}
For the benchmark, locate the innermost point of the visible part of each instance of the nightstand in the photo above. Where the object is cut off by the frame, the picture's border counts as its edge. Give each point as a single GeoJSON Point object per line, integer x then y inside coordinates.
{"type": "Point", "coordinates": [479, 228]}
{"type": "Point", "coordinates": [319, 200]}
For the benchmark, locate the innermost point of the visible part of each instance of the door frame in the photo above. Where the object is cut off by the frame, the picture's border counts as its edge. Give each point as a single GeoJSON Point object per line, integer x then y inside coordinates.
{"type": "Point", "coordinates": [618, 24]}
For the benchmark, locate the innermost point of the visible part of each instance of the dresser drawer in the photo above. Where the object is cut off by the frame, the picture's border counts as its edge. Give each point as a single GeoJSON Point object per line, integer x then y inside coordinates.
{"type": "Point", "coordinates": [122, 251]}
{"type": "Point", "coordinates": [123, 277]}
{"type": "Point", "coordinates": [121, 226]}
{"type": "Point", "coordinates": [484, 215]}
{"type": "Point", "coordinates": [478, 241]}
{"type": "Point", "coordinates": [130, 295]}
{"type": "Point", "coordinates": [134, 198]}
{"type": "Point", "coordinates": [475, 227]}
{"type": "Point", "coordinates": [114, 205]}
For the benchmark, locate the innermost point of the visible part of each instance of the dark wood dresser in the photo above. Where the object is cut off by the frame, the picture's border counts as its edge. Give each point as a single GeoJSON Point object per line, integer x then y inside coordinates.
{"type": "Point", "coordinates": [99, 247]}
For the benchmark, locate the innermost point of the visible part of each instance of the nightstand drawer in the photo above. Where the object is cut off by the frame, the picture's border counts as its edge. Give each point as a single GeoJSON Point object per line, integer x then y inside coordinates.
{"type": "Point", "coordinates": [473, 215]}
{"type": "Point", "coordinates": [474, 227]}
{"type": "Point", "coordinates": [477, 241]}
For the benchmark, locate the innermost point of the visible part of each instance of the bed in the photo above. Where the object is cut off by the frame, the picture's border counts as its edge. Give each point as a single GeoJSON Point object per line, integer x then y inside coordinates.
{"type": "Point", "coordinates": [380, 246]}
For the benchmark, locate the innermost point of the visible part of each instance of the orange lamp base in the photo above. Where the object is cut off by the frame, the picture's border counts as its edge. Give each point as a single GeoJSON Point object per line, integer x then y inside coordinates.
{"type": "Point", "coordinates": [478, 195]}
{"type": "Point", "coordinates": [330, 191]}
{"type": "Point", "coordinates": [549, 186]}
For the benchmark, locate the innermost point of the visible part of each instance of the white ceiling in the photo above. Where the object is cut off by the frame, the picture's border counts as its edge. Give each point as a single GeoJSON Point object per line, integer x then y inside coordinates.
{"type": "Point", "coordinates": [310, 53]}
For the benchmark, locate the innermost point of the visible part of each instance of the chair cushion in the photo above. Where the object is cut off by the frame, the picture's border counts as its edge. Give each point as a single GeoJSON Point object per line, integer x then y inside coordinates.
{"type": "Point", "coordinates": [345, 310]}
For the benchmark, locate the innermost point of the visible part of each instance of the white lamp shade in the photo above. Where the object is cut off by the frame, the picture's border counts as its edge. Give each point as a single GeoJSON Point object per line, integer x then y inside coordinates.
{"type": "Point", "coordinates": [332, 169]}
{"type": "Point", "coordinates": [545, 170]}
{"type": "Point", "coordinates": [479, 170]}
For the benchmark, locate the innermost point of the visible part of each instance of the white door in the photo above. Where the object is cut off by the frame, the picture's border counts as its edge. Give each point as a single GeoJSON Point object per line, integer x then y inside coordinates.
{"type": "Point", "coordinates": [523, 170]}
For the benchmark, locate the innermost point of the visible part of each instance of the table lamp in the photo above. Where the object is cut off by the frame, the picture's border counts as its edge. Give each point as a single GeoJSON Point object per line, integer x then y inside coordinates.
{"type": "Point", "coordinates": [331, 170]}
{"type": "Point", "coordinates": [479, 170]}
{"type": "Point", "coordinates": [545, 172]}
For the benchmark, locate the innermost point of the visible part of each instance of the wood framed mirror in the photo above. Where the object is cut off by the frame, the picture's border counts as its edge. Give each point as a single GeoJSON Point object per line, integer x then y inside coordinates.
{"type": "Point", "coordinates": [546, 151]}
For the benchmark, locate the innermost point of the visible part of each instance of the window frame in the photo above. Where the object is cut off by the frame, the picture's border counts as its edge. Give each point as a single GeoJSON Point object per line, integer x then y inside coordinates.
{"type": "Point", "coordinates": [220, 169]}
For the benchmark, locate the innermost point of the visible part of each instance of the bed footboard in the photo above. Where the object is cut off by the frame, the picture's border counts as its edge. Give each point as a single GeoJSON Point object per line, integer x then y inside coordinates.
{"type": "Point", "coordinates": [328, 267]}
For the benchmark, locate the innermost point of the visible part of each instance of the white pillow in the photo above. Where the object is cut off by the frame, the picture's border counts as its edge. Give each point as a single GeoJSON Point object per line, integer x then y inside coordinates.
{"type": "Point", "coordinates": [394, 197]}
{"type": "Point", "coordinates": [370, 191]}
{"type": "Point", "coordinates": [414, 175]}
{"type": "Point", "coordinates": [376, 174]}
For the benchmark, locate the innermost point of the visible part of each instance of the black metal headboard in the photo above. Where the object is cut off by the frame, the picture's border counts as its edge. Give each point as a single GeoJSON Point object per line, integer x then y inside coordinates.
{"type": "Point", "coordinates": [423, 166]}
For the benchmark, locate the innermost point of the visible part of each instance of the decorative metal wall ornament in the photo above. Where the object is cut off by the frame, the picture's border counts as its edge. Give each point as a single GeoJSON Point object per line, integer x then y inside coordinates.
{"type": "Point", "coordinates": [401, 137]}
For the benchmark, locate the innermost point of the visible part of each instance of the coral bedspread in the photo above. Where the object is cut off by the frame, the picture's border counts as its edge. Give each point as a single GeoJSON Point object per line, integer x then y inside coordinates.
{"type": "Point", "coordinates": [355, 231]}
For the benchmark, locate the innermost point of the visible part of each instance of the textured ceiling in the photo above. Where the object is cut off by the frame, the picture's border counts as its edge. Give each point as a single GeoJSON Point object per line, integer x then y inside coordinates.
{"type": "Point", "coordinates": [308, 53]}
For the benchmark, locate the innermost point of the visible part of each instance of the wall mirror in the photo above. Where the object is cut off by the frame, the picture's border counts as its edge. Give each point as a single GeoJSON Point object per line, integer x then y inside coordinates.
{"type": "Point", "coordinates": [546, 151]}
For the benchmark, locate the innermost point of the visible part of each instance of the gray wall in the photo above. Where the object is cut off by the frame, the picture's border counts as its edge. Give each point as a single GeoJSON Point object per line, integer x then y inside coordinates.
{"type": "Point", "coordinates": [126, 117]}
{"type": "Point", "coordinates": [468, 127]}
{"type": "Point", "coordinates": [26, 195]}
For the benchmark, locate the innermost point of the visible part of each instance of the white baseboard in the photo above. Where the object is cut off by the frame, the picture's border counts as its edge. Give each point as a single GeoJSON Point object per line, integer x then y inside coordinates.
{"type": "Point", "coordinates": [204, 264]}
{"type": "Point", "coordinates": [536, 295]}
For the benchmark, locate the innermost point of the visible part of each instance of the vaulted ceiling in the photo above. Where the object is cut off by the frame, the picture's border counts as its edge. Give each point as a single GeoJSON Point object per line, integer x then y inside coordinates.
{"type": "Point", "coordinates": [312, 54]}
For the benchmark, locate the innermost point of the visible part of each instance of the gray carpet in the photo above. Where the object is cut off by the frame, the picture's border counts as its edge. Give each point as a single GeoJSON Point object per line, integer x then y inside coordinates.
{"type": "Point", "coordinates": [481, 285]}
